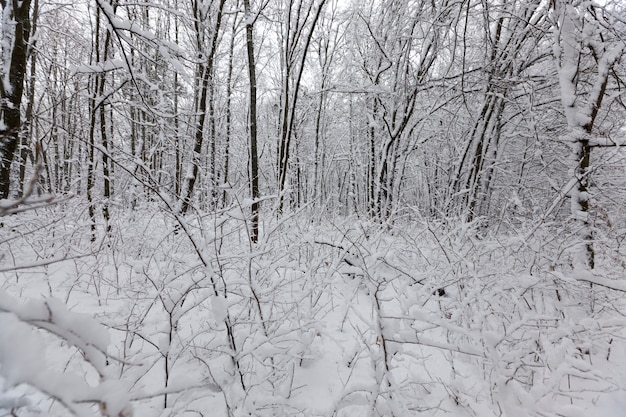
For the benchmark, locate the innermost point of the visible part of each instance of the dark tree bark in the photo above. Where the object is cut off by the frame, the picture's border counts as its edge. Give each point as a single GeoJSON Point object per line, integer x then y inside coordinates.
{"type": "Point", "coordinates": [515, 34]}
{"type": "Point", "coordinates": [600, 49]}
{"type": "Point", "coordinates": [11, 93]}
{"type": "Point", "coordinates": [205, 74]}
{"type": "Point", "coordinates": [106, 168]}
{"type": "Point", "coordinates": [252, 126]}
{"type": "Point", "coordinates": [297, 19]}
{"type": "Point", "coordinates": [229, 90]}
{"type": "Point", "coordinates": [25, 151]}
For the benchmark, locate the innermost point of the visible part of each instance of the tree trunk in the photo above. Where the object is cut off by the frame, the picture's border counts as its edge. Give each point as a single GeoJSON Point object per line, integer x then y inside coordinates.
{"type": "Point", "coordinates": [252, 126]}
{"type": "Point", "coordinates": [290, 99]}
{"type": "Point", "coordinates": [572, 37]}
{"type": "Point", "coordinates": [228, 128]}
{"type": "Point", "coordinates": [15, 37]}
{"type": "Point", "coordinates": [25, 151]}
{"type": "Point", "coordinates": [205, 75]}
{"type": "Point", "coordinates": [106, 171]}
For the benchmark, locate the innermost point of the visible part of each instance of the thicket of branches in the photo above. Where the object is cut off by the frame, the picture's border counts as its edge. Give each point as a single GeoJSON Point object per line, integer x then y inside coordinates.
{"type": "Point", "coordinates": [312, 207]}
{"type": "Point", "coordinates": [452, 109]}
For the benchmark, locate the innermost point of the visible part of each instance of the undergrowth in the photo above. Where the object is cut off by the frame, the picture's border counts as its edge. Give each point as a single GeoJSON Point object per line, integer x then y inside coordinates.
{"type": "Point", "coordinates": [340, 317]}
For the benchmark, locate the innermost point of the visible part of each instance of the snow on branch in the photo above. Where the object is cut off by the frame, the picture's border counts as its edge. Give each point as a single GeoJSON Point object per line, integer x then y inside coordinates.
{"type": "Point", "coordinates": [22, 362]}
{"type": "Point", "coordinates": [592, 277]}
{"type": "Point", "coordinates": [21, 345]}
{"type": "Point", "coordinates": [424, 341]}
{"type": "Point", "coordinates": [607, 141]}
{"type": "Point", "coordinates": [168, 50]}
{"type": "Point", "coordinates": [588, 276]}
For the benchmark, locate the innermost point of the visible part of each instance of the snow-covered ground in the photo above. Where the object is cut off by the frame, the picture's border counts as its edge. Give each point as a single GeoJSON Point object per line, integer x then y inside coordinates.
{"type": "Point", "coordinates": [342, 318]}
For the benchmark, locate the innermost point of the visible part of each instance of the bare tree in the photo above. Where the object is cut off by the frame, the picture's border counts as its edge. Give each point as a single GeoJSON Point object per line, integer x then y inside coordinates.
{"type": "Point", "coordinates": [403, 48]}
{"type": "Point", "coordinates": [204, 78]}
{"type": "Point", "coordinates": [516, 32]}
{"type": "Point", "coordinates": [299, 23]}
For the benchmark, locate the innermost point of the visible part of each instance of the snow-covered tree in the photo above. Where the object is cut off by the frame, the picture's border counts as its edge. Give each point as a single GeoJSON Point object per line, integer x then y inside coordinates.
{"type": "Point", "coordinates": [15, 34]}
{"type": "Point", "coordinates": [588, 44]}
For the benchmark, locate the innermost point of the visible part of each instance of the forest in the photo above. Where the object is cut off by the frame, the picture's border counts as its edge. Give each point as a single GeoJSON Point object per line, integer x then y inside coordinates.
{"type": "Point", "coordinates": [313, 208]}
